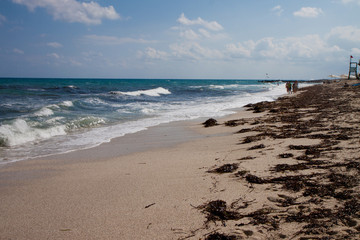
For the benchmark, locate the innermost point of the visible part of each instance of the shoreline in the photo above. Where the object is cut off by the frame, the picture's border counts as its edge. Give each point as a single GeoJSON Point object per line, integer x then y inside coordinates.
{"type": "Point", "coordinates": [94, 136]}
{"type": "Point", "coordinates": [169, 192]}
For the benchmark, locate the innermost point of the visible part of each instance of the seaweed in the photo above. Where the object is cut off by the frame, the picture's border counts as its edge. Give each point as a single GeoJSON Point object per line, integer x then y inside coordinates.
{"type": "Point", "coordinates": [217, 211]}
{"type": "Point", "coordinates": [241, 173]}
{"type": "Point", "coordinates": [337, 181]}
{"type": "Point", "coordinates": [287, 167]}
{"type": "Point", "coordinates": [221, 236]}
{"type": "Point", "coordinates": [260, 146]}
{"type": "Point", "coordinates": [286, 155]}
{"type": "Point", "coordinates": [247, 158]}
{"type": "Point", "coordinates": [261, 216]}
{"type": "Point", "coordinates": [245, 130]}
{"type": "Point", "coordinates": [299, 166]}
{"type": "Point", "coordinates": [254, 179]}
{"type": "Point", "coordinates": [226, 168]}
{"type": "Point", "coordinates": [234, 123]}
{"type": "Point", "coordinates": [210, 123]}
{"type": "Point", "coordinates": [283, 200]}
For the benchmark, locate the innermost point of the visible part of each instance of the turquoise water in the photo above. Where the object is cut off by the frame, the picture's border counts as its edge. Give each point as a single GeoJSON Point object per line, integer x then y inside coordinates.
{"type": "Point", "coordinates": [40, 117]}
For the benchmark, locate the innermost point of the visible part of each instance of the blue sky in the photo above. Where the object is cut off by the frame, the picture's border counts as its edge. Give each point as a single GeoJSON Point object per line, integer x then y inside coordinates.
{"type": "Point", "coordinates": [217, 39]}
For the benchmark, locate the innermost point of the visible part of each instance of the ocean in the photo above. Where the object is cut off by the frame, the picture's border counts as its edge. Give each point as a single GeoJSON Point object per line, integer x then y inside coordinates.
{"type": "Point", "coordinates": [42, 117]}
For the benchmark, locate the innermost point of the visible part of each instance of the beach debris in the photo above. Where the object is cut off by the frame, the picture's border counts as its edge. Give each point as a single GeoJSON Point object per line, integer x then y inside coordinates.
{"type": "Point", "coordinates": [244, 130]}
{"type": "Point", "coordinates": [226, 168]}
{"type": "Point", "coordinates": [258, 107]}
{"type": "Point", "coordinates": [254, 179]}
{"type": "Point", "coordinates": [283, 200]}
{"type": "Point", "coordinates": [286, 155]}
{"type": "Point", "coordinates": [241, 173]}
{"type": "Point", "coordinates": [221, 236]}
{"type": "Point", "coordinates": [250, 139]}
{"type": "Point", "coordinates": [210, 123]}
{"type": "Point", "coordinates": [150, 205]}
{"type": "Point", "coordinates": [247, 158]}
{"type": "Point", "coordinates": [323, 196]}
{"type": "Point", "coordinates": [248, 233]}
{"type": "Point", "coordinates": [287, 167]}
{"type": "Point", "coordinates": [260, 146]}
{"type": "Point", "coordinates": [236, 122]}
{"type": "Point", "coordinates": [262, 216]}
{"type": "Point", "coordinates": [218, 211]}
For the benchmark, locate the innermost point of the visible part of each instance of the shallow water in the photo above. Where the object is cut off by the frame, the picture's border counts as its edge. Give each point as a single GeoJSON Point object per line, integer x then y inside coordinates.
{"type": "Point", "coordinates": [40, 117]}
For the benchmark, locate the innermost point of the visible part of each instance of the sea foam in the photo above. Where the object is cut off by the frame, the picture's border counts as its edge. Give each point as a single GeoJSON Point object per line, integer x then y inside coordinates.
{"type": "Point", "coordinates": [156, 92]}
{"type": "Point", "coordinates": [19, 132]}
{"type": "Point", "coordinates": [44, 112]}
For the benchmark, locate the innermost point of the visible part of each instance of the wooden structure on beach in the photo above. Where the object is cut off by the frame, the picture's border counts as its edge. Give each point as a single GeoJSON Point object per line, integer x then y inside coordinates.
{"type": "Point", "coordinates": [353, 69]}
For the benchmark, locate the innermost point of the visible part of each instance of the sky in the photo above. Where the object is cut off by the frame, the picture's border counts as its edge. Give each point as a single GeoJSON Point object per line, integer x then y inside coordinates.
{"type": "Point", "coordinates": [195, 39]}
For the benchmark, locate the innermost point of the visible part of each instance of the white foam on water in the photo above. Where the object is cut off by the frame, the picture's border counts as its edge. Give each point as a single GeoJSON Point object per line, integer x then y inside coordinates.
{"type": "Point", "coordinates": [69, 138]}
{"type": "Point", "coordinates": [217, 87]}
{"type": "Point", "coordinates": [19, 132]}
{"type": "Point", "coordinates": [156, 92]}
{"type": "Point", "coordinates": [44, 112]}
{"type": "Point", "coordinates": [147, 111]}
{"type": "Point", "coordinates": [66, 104]}
{"type": "Point", "coordinates": [85, 122]}
{"type": "Point", "coordinates": [54, 120]}
{"type": "Point", "coordinates": [177, 112]}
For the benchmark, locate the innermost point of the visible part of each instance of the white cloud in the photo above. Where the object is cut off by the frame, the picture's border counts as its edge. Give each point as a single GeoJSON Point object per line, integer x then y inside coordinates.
{"type": "Point", "coordinates": [213, 26]}
{"type": "Point", "coordinates": [75, 63]}
{"type": "Point", "coordinates": [199, 29]}
{"type": "Point", "coordinates": [111, 40]}
{"type": "Point", "coordinates": [72, 10]}
{"type": "Point", "coordinates": [349, 33]}
{"type": "Point", "coordinates": [54, 44]}
{"type": "Point", "coordinates": [189, 34]}
{"type": "Point", "coordinates": [240, 50]}
{"type": "Point", "coordinates": [355, 51]}
{"type": "Point", "coordinates": [193, 50]}
{"type": "Point", "coordinates": [291, 48]}
{"type": "Point", "coordinates": [155, 54]}
{"type": "Point", "coordinates": [2, 19]}
{"type": "Point", "coordinates": [204, 33]}
{"type": "Point", "coordinates": [194, 45]}
{"type": "Point", "coordinates": [54, 55]}
{"type": "Point", "coordinates": [308, 12]}
{"type": "Point", "coordinates": [18, 51]}
{"type": "Point", "coordinates": [278, 10]}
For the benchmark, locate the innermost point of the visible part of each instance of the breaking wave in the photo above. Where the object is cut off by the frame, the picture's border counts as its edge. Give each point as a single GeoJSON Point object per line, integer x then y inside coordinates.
{"type": "Point", "coordinates": [20, 132]}
{"type": "Point", "coordinates": [156, 92]}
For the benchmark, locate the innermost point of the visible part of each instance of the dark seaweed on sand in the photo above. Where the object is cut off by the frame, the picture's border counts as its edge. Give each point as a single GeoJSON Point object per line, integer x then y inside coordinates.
{"type": "Point", "coordinates": [210, 123]}
{"type": "Point", "coordinates": [226, 168]}
{"type": "Point", "coordinates": [314, 114]}
{"type": "Point", "coordinates": [260, 146]}
{"type": "Point", "coordinates": [221, 236]}
{"type": "Point", "coordinates": [218, 211]}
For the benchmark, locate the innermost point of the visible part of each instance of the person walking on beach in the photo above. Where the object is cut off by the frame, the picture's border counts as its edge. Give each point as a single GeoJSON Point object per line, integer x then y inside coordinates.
{"type": "Point", "coordinates": [295, 86]}
{"type": "Point", "coordinates": [288, 87]}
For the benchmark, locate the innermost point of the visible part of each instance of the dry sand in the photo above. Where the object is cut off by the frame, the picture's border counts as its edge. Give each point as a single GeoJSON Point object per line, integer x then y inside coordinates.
{"type": "Point", "coordinates": [289, 171]}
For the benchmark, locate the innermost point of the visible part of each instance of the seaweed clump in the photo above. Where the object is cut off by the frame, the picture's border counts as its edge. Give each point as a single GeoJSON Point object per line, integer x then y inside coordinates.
{"type": "Point", "coordinates": [226, 168]}
{"type": "Point", "coordinates": [324, 203]}
{"type": "Point", "coordinates": [260, 146]}
{"type": "Point", "coordinates": [218, 211]}
{"type": "Point", "coordinates": [221, 236]}
{"type": "Point", "coordinates": [210, 123]}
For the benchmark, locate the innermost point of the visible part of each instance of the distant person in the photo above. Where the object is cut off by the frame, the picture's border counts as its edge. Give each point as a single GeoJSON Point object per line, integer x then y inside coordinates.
{"type": "Point", "coordinates": [295, 86]}
{"type": "Point", "coordinates": [288, 87]}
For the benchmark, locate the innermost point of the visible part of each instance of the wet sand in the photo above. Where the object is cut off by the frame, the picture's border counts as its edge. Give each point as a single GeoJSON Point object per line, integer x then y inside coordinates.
{"type": "Point", "coordinates": [288, 171]}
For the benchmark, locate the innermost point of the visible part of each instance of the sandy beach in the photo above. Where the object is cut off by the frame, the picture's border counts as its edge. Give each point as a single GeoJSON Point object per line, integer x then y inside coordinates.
{"type": "Point", "coordinates": [287, 169]}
